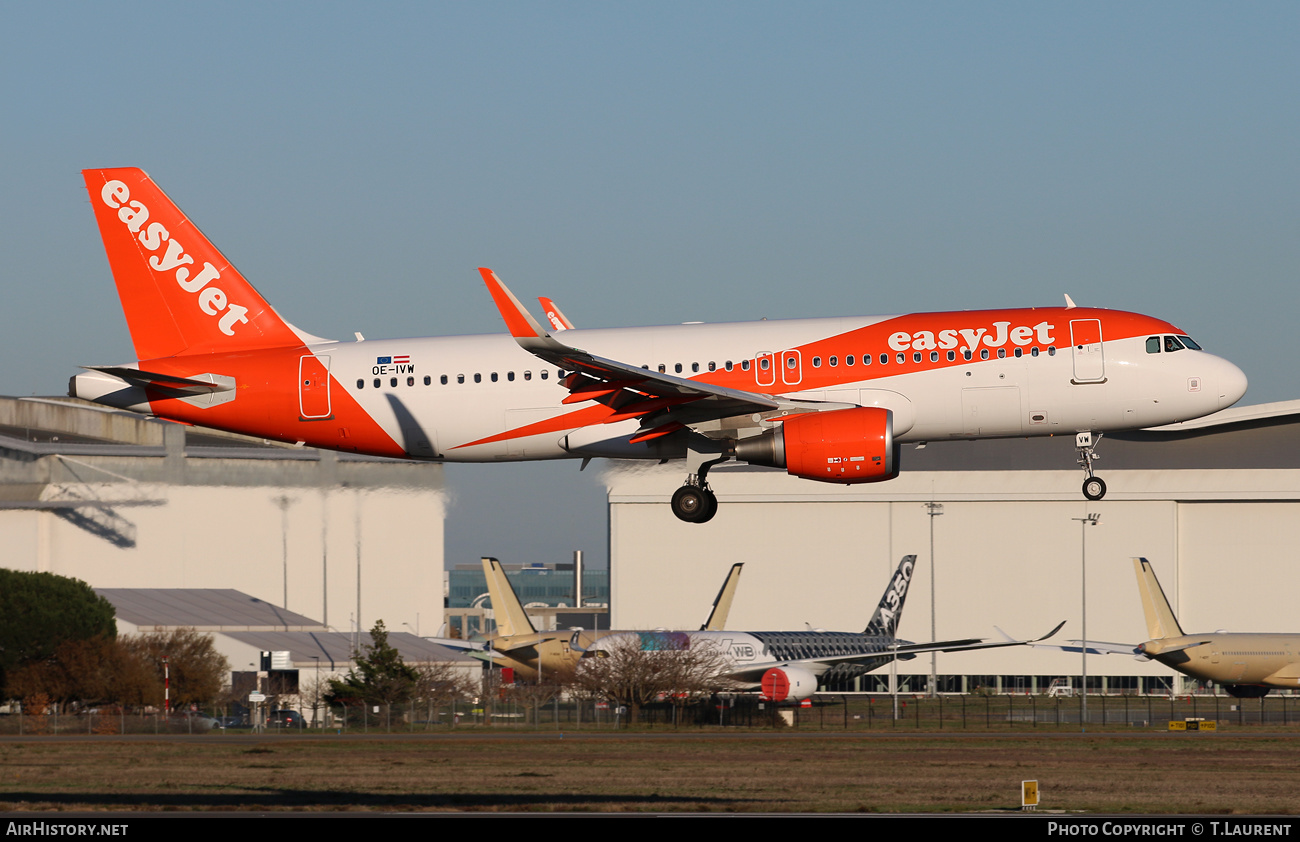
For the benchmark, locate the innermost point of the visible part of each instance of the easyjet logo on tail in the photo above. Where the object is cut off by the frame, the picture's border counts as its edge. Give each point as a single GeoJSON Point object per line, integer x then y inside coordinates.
{"type": "Point", "coordinates": [208, 298]}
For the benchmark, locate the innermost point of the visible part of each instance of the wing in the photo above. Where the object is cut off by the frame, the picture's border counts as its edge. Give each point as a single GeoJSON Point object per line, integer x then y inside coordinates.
{"type": "Point", "coordinates": [554, 315]}
{"type": "Point", "coordinates": [664, 403]}
{"type": "Point", "coordinates": [754, 672]}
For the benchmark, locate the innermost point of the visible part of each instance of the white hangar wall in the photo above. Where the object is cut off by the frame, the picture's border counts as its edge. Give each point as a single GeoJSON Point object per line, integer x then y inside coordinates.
{"type": "Point", "coordinates": [1223, 540]}
{"type": "Point", "coordinates": [127, 502]}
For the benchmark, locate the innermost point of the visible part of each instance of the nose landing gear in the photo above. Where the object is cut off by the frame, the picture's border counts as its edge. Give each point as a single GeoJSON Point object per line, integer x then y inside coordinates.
{"type": "Point", "coordinates": [1094, 487]}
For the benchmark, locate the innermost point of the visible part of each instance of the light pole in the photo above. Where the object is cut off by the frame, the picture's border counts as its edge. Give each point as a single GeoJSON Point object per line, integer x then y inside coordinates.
{"type": "Point", "coordinates": [1091, 519]}
{"type": "Point", "coordinates": [934, 510]}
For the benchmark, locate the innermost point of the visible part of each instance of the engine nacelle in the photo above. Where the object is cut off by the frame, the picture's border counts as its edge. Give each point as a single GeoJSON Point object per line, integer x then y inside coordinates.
{"type": "Point", "coordinates": [841, 445]}
{"type": "Point", "coordinates": [1246, 691]}
{"type": "Point", "coordinates": [788, 684]}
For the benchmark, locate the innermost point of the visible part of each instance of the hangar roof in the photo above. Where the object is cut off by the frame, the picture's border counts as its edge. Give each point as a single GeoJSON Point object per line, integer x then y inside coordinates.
{"type": "Point", "coordinates": [204, 609]}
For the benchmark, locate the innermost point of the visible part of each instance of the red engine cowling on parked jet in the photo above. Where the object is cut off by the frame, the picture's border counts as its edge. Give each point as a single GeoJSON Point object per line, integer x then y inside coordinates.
{"type": "Point", "coordinates": [842, 445]}
{"type": "Point", "coordinates": [788, 684]}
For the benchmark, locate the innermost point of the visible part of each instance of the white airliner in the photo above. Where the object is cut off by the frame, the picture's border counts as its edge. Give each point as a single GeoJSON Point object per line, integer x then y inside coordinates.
{"type": "Point", "coordinates": [788, 666]}
{"type": "Point", "coordinates": [827, 399]}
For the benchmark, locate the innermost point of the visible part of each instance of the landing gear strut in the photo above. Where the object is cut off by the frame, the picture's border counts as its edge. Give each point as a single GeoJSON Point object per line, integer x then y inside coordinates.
{"type": "Point", "coordinates": [695, 501]}
{"type": "Point", "coordinates": [1094, 487]}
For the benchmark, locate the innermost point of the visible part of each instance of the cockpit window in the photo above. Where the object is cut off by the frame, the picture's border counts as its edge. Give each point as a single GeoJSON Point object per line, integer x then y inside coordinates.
{"type": "Point", "coordinates": [1187, 341]}
{"type": "Point", "coordinates": [1172, 344]}
{"type": "Point", "coordinates": [1153, 344]}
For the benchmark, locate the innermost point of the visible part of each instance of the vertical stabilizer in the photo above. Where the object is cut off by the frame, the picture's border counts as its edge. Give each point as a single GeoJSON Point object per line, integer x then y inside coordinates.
{"type": "Point", "coordinates": [179, 293]}
{"type": "Point", "coordinates": [510, 617]}
{"type": "Point", "coordinates": [885, 621]}
{"type": "Point", "coordinates": [722, 605]}
{"type": "Point", "coordinates": [1161, 622]}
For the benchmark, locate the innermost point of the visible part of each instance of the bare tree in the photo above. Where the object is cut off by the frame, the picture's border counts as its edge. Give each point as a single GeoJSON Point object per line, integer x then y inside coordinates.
{"type": "Point", "coordinates": [441, 683]}
{"type": "Point", "coordinates": [197, 671]}
{"type": "Point", "coordinates": [636, 669]}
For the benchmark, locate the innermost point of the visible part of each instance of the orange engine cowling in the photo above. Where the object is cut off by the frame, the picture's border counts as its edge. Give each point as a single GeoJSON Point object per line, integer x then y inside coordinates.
{"type": "Point", "coordinates": [788, 684]}
{"type": "Point", "coordinates": [841, 445]}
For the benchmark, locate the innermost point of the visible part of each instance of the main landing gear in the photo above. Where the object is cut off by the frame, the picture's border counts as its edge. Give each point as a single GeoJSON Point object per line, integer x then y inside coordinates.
{"type": "Point", "coordinates": [1094, 487]}
{"type": "Point", "coordinates": [695, 501]}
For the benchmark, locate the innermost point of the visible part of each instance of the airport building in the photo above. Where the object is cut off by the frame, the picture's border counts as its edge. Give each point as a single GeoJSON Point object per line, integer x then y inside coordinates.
{"type": "Point", "coordinates": [123, 501]}
{"type": "Point", "coordinates": [1214, 504]}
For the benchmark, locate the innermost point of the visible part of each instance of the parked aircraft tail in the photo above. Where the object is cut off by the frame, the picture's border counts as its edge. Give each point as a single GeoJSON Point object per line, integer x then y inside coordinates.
{"type": "Point", "coordinates": [1161, 622]}
{"type": "Point", "coordinates": [509, 612]}
{"type": "Point", "coordinates": [179, 293]}
{"type": "Point", "coordinates": [885, 621]}
{"type": "Point", "coordinates": [717, 620]}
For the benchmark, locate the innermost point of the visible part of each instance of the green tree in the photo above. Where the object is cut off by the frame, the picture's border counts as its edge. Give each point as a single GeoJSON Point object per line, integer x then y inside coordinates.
{"type": "Point", "coordinates": [380, 676]}
{"type": "Point", "coordinates": [41, 611]}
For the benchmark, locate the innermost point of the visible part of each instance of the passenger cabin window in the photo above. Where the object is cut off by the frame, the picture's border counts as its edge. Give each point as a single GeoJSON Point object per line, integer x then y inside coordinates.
{"type": "Point", "coordinates": [443, 379]}
{"type": "Point", "coordinates": [678, 368]}
{"type": "Point", "coordinates": [713, 366]}
{"type": "Point", "coordinates": [884, 358]}
{"type": "Point", "coordinates": [410, 381]}
{"type": "Point", "coordinates": [528, 375]}
{"type": "Point", "coordinates": [460, 378]}
{"type": "Point", "coordinates": [695, 367]}
{"type": "Point", "coordinates": [817, 362]}
{"type": "Point", "coordinates": [727, 365]}
{"type": "Point", "coordinates": [934, 356]}
{"type": "Point", "coordinates": [429, 380]}
{"type": "Point", "coordinates": [510, 375]}
{"type": "Point", "coordinates": [764, 364]}
{"type": "Point", "coordinates": [952, 355]}
{"type": "Point", "coordinates": [361, 384]}
{"type": "Point", "coordinates": [902, 358]}
{"type": "Point", "coordinates": [543, 374]}
{"type": "Point", "coordinates": [848, 359]}
{"type": "Point", "coordinates": [494, 377]}
{"type": "Point", "coordinates": [744, 365]}
{"type": "Point", "coordinates": [478, 378]}
{"type": "Point", "coordinates": [376, 382]}
{"type": "Point", "coordinates": [834, 361]}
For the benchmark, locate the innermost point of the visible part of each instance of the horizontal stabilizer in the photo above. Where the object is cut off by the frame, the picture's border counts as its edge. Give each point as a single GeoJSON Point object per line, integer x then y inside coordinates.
{"type": "Point", "coordinates": [155, 380]}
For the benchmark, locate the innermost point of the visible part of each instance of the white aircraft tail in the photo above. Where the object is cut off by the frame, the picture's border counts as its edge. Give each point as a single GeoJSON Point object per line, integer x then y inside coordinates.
{"type": "Point", "coordinates": [510, 616]}
{"type": "Point", "coordinates": [1161, 622]}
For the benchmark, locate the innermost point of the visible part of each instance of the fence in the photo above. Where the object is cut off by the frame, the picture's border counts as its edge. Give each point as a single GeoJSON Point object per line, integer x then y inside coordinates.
{"type": "Point", "coordinates": [854, 712]}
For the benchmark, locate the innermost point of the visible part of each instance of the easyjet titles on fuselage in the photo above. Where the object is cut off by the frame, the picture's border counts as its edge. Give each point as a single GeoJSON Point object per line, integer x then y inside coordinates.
{"type": "Point", "coordinates": [925, 340]}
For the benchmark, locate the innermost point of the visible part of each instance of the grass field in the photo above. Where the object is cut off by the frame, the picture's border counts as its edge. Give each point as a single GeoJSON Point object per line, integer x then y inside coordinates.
{"type": "Point", "coordinates": [736, 771]}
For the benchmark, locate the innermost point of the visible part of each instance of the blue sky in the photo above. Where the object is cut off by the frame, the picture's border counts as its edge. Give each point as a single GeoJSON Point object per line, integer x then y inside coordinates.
{"type": "Point", "coordinates": [658, 163]}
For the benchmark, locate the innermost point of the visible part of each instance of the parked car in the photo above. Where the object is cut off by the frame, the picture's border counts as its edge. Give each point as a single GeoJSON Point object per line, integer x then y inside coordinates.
{"type": "Point", "coordinates": [284, 719]}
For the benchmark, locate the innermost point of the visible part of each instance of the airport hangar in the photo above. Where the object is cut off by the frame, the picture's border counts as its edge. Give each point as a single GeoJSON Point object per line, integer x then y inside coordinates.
{"type": "Point", "coordinates": [122, 501]}
{"type": "Point", "coordinates": [1214, 504]}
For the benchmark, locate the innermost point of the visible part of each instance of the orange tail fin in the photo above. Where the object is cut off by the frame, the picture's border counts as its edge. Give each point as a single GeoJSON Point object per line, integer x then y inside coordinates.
{"type": "Point", "coordinates": [179, 293]}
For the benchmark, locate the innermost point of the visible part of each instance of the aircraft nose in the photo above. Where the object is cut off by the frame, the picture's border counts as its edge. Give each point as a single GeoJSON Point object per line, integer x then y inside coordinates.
{"type": "Point", "coordinates": [1230, 382]}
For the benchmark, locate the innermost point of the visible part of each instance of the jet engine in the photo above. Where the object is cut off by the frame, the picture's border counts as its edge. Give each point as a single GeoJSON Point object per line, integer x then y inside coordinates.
{"type": "Point", "coordinates": [788, 684]}
{"type": "Point", "coordinates": [840, 445]}
{"type": "Point", "coordinates": [1246, 691]}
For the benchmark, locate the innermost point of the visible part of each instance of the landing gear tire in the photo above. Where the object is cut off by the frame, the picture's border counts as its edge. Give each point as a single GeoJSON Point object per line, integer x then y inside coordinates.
{"type": "Point", "coordinates": [1094, 488]}
{"type": "Point", "coordinates": [694, 504]}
